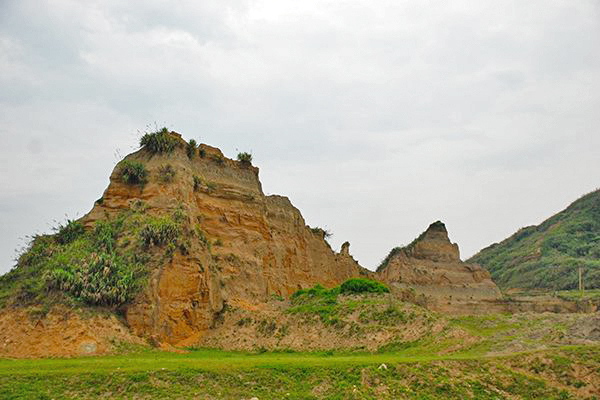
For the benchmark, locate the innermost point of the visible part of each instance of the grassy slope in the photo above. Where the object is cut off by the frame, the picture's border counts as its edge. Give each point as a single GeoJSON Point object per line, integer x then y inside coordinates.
{"type": "Point", "coordinates": [214, 374]}
{"type": "Point", "coordinates": [548, 255]}
{"type": "Point", "coordinates": [425, 369]}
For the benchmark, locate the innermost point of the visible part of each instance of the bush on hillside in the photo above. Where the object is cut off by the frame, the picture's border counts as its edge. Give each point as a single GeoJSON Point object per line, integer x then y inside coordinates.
{"type": "Point", "coordinates": [102, 279]}
{"type": "Point", "coordinates": [326, 234]}
{"type": "Point", "coordinates": [159, 232]}
{"type": "Point", "coordinates": [68, 232]}
{"type": "Point", "coordinates": [133, 172]}
{"type": "Point", "coordinates": [245, 158]}
{"type": "Point", "coordinates": [191, 148]}
{"type": "Point", "coordinates": [158, 142]}
{"type": "Point", "coordinates": [197, 183]}
{"type": "Point", "coordinates": [77, 265]}
{"type": "Point", "coordinates": [360, 285]}
{"type": "Point", "coordinates": [166, 173]}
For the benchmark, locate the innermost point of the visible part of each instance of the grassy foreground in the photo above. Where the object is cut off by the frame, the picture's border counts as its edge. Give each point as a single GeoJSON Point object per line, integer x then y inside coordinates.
{"type": "Point", "coordinates": [210, 374]}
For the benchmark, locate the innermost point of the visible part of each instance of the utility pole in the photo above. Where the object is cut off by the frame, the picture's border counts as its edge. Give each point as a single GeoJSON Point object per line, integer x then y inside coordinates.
{"type": "Point", "coordinates": [581, 289]}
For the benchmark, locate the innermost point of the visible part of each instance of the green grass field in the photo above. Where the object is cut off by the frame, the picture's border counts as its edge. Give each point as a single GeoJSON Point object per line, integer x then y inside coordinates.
{"type": "Point", "coordinates": [212, 374]}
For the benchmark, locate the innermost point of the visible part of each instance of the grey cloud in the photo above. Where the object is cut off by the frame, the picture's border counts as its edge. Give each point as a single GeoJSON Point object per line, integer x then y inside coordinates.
{"type": "Point", "coordinates": [375, 118]}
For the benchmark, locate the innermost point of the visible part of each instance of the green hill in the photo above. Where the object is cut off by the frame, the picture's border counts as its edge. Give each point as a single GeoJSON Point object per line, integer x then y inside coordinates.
{"type": "Point", "coordinates": [548, 256]}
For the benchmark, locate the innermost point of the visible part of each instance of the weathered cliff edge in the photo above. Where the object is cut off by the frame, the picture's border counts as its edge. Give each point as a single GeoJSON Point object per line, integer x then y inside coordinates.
{"type": "Point", "coordinates": [251, 246]}
{"type": "Point", "coordinates": [429, 271]}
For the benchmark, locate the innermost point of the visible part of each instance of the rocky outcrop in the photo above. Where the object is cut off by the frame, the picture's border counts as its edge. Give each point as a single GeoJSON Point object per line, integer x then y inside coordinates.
{"type": "Point", "coordinates": [235, 249]}
{"type": "Point", "coordinates": [430, 271]}
{"type": "Point", "coordinates": [243, 246]}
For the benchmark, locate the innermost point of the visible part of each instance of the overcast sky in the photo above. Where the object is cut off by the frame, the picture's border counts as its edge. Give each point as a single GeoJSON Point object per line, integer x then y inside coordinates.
{"type": "Point", "coordinates": [374, 117]}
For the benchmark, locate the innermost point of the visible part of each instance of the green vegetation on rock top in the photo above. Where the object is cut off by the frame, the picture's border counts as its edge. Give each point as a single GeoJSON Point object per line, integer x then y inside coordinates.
{"type": "Point", "coordinates": [548, 255]}
{"type": "Point", "coordinates": [245, 158]}
{"type": "Point", "coordinates": [158, 142]}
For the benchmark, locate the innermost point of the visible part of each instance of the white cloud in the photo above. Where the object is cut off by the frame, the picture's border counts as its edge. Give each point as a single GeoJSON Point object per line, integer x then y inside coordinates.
{"type": "Point", "coordinates": [376, 118]}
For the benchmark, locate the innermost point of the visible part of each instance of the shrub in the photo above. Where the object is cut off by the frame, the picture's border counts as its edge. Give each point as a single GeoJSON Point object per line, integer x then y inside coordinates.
{"type": "Point", "coordinates": [133, 172]}
{"type": "Point", "coordinates": [201, 152]}
{"type": "Point", "coordinates": [159, 232]}
{"type": "Point", "coordinates": [158, 142]}
{"type": "Point", "coordinates": [79, 265]}
{"type": "Point", "coordinates": [166, 173]}
{"type": "Point", "coordinates": [360, 285]}
{"type": "Point", "coordinates": [197, 183]}
{"type": "Point", "coordinates": [326, 234]}
{"type": "Point", "coordinates": [245, 158]}
{"type": "Point", "coordinates": [68, 232]}
{"type": "Point", "coordinates": [191, 148]}
{"type": "Point", "coordinates": [105, 234]}
{"type": "Point", "coordinates": [102, 279]}
{"type": "Point", "coordinates": [317, 291]}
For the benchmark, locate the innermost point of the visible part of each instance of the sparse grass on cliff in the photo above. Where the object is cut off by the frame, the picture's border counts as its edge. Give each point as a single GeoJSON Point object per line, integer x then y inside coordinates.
{"type": "Point", "coordinates": [326, 234]}
{"type": "Point", "coordinates": [133, 172]}
{"type": "Point", "coordinates": [245, 158]}
{"type": "Point", "coordinates": [159, 232]}
{"type": "Point", "coordinates": [166, 173]}
{"type": "Point", "coordinates": [388, 258]}
{"type": "Point", "coordinates": [190, 149]}
{"type": "Point", "coordinates": [106, 265]}
{"type": "Point", "coordinates": [197, 183]}
{"type": "Point", "coordinates": [158, 142]}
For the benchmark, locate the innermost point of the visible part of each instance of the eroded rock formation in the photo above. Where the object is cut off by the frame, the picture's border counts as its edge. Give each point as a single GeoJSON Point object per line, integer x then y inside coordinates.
{"type": "Point", "coordinates": [430, 270]}
{"type": "Point", "coordinates": [243, 247]}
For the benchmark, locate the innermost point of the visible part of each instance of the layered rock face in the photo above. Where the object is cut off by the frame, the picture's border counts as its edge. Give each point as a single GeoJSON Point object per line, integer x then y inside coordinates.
{"type": "Point", "coordinates": [430, 269]}
{"type": "Point", "coordinates": [243, 246]}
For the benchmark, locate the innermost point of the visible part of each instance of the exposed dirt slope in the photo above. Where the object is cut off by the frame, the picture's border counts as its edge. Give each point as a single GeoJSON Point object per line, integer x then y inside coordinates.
{"type": "Point", "coordinates": [353, 323]}
{"type": "Point", "coordinates": [382, 322]}
{"type": "Point", "coordinates": [60, 333]}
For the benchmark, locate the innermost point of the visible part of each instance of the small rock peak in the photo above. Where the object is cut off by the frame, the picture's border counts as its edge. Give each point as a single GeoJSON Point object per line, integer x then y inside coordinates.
{"type": "Point", "coordinates": [345, 250]}
{"type": "Point", "coordinates": [434, 244]}
{"type": "Point", "coordinates": [437, 230]}
{"type": "Point", "coordinates": [437, 226]}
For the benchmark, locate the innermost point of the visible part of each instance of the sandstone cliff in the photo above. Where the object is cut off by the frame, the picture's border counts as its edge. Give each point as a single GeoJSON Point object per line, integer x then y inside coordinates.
{"type": "Point", "coordinates": [184, 245]}
{"type": "Point", "coordinates": [241, 248]}
{"type": "Point", "coordinates": [430, 271]}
